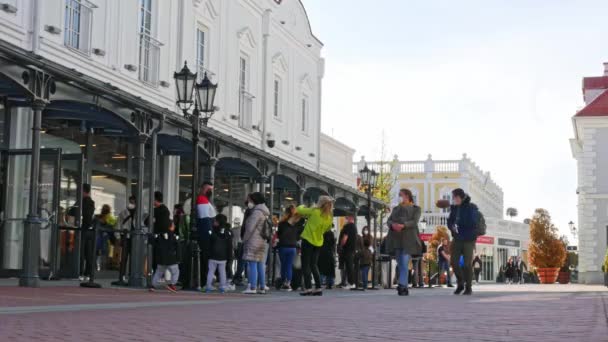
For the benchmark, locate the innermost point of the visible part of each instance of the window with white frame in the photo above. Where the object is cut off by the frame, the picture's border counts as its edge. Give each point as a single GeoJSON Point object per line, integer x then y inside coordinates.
{"type": "Point", "coordinates": [77, 25]}
{"type": "Point", "coordinates": [245, 98]}
{"type": "Point", "coordinates": [304, 114]}
{"type": "Point", "coordinates": [202, 43]}
{"type": "Point", "coordinates": [149, 48]}
{"type": "Point", "coordinates": [277, 98]}
{"type": "Point", "coordinates": [446, 194]}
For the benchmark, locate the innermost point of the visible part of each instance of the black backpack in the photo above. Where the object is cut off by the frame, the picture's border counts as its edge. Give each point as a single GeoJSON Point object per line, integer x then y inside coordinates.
{"type": "Point", "coordinates": [480, 226]}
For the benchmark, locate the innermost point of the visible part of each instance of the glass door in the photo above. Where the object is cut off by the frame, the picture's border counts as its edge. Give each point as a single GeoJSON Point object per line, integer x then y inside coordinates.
{"type": "Point", "coordinates": [15, 166]}
{"type": "Point", "coordinates": [69, 215]}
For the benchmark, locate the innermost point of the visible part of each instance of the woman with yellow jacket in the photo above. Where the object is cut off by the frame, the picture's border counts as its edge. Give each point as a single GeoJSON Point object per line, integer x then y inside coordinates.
{"type": "Point", "coordinates": [319, 220]}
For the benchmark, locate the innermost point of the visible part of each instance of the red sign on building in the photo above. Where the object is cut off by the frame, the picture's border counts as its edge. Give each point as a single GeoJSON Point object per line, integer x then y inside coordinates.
{"type": "Point", "coordinates": [487, 240]}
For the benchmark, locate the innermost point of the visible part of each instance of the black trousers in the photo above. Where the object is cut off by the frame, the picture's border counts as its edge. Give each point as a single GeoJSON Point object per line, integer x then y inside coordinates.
{"type": "Point", "coordinates": [124, 256]}
{"type": "Point", "coordinates": [87, 253]}
{"type": "Point", "coordinates": [310, 264]}
{"type": "Point", "coordinates": [349, 268]}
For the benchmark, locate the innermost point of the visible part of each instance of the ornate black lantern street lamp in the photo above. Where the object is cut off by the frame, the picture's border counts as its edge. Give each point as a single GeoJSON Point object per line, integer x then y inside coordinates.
{"type": "Point", "coordinates": [369, 180]}
{"type": "Point", "coordinates": [202, 96]}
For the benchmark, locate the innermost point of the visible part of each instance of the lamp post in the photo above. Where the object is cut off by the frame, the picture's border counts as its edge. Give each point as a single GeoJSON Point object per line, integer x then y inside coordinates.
{"type": "Point", "coordinates": [573, 229]}
{"type": "Point", "coordinates": [202, 96]}
{"type": "Point", "coordinates": [369, 180]}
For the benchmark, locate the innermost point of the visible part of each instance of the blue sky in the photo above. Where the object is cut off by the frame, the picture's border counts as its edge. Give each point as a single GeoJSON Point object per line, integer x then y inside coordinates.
{"type": "Point", "coordinates": [498, 80]}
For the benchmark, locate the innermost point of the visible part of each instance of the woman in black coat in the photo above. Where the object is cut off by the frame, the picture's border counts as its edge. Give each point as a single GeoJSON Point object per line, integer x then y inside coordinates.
{"type": "Point", "coordinates": [327, 259]}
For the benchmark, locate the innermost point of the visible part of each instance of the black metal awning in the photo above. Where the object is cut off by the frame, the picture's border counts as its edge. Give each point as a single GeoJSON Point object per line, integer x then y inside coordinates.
{"type": "Point", "coordinates": [89, 116]}
{"type": "Point", "coordinates": [14, 91]}
{"type": "Point", "coordinates": [176, 145]}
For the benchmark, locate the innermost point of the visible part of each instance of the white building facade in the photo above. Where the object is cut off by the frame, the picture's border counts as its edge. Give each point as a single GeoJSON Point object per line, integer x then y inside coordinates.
{"type": "Point", "coordinates": [261, 52]}
{"type": "Point", "coordinates": [590, 149]}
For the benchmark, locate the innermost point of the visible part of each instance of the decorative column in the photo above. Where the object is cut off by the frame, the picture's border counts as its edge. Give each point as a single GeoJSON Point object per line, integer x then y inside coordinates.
{"type": "Point", "coordinates": [42, 86]}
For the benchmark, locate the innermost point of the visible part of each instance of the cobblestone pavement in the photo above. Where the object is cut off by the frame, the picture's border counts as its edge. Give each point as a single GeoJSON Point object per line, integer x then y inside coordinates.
{"type": "Point", "coordinates": [494, 313]}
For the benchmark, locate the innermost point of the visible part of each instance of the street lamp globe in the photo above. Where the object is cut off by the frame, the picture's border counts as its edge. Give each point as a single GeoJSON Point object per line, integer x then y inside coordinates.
{"type": "Point", "coordinates": [205, 98]}
{"type": "Point", "coordinates": [373, 180]}
{"type": "Point", "coordinates": [365, 175]}
{"type": "Point", "coordinates": [185, 81]}
{"type": "Point", "coordinates": [571, 226]}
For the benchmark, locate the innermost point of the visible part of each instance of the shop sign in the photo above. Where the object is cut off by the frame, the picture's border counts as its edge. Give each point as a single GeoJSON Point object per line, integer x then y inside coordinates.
{"type": "Point", "coordinates": [425, 237]}
{"type": "Point", "coordinates": [486, 240]}
{"type": "Point", "coordinates": [508, 242]}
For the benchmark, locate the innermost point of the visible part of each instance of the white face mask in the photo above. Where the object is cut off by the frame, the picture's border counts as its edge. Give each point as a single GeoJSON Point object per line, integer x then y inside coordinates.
{"type": "Point", "coordinates": [401, 201]}
{"type": "Point", "coordinates": [131, 206]}
{"type": "Point", "coordinates": [250, 205]}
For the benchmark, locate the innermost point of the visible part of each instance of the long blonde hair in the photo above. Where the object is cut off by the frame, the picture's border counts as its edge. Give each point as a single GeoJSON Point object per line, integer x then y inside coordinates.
{"type": "Point", "coordinates": [326, 205]}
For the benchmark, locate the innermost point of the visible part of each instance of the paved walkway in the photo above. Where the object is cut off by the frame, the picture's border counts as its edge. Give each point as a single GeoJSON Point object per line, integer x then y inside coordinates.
{"type": "Point", "coordinates": [494, 313]}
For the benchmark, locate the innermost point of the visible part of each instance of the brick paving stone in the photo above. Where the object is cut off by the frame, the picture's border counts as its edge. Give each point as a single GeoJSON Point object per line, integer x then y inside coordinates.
{"type": "Point", "coordinates": [494, 313]}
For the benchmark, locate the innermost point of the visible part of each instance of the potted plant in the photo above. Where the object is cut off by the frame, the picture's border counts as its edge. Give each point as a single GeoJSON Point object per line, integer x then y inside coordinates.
{"type": "Point", "coordinates": [547, 252]}
{"type": "Point", "coordinates": [432, 246]}
{"type": "Point", "coordinates": [605, 269]}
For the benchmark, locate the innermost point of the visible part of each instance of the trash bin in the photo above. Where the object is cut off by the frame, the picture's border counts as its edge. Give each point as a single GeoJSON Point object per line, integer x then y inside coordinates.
{"type": "Point", "coordinates": [386, 270]}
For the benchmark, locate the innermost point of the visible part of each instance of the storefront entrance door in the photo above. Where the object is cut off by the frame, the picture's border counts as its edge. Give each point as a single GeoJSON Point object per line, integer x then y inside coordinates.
{"type": "Point", "coordinates": [14, 207]}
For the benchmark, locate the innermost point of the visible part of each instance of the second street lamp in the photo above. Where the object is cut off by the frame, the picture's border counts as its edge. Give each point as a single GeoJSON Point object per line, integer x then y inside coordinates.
{"type": "Point", "coordinates": [369, 179]}
{"type": "Point", "coordinates": [185, 82]}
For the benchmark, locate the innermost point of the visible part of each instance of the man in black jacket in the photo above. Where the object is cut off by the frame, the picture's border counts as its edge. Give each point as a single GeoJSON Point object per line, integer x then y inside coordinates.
{"type": "Point", "coordinates": [88, 233]}
{"type": "Point", "coordinates": [348, 243]}
{"type": "Point", "coordinates": [168, 258]}
{"type": "Point", "coordinates": [220, 252]}
{"type": "Point", "coordinates": [462, 222]}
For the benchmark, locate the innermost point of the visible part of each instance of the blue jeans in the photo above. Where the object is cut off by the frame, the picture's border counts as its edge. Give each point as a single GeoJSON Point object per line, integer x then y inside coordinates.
{"type": "Point", "coordinates": [255, 269]}
{"type": "Point", "coordinates": [365, 276]}
{"type": "Point", "coordinates": [445, 266]}
{"type": "Point", "coordinates": [403, 261]}
{"type": "Point", "coordinates": [287, 254]}
{"type": "Point", "coordinates": [328, 281]}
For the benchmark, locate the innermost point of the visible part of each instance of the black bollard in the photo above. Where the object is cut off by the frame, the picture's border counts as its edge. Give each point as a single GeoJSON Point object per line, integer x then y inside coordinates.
{"type": "Point", "coordinates": [195, 278]}
{"type": "Point", "coordinates": [124, 255]}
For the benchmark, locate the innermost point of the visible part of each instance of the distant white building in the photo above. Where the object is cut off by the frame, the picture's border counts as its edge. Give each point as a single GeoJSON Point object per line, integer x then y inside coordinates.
{"type": "Point", "coordinates": [590, 149]}
{"type": "Point", "coordinates": [336, 160]}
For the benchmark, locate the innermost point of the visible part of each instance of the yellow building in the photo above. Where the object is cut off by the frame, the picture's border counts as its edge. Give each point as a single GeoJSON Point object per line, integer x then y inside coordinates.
{"type": "Point", "coordinates": [431, 180]}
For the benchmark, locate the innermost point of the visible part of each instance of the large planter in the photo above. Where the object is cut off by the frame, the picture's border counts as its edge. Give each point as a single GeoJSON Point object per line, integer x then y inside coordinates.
{"type": "Point", "coordinates": [563, 277]}
{"type": "Point", "coordinates": [547, 275]}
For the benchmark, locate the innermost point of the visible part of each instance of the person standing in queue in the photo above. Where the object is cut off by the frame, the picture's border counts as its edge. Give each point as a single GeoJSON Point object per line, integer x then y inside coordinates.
{"type": "Point", "coordinates": [162, 222]}
{"type": "Point", "coordinates": [327, 259]}
{"type": "Point", "coordinates": [319, 221]}
{"type": "Point", "coordinates": [348, 243]}
{"type": "Point", "coordinates": [254, 244]}
{"type": "Point", "coordinates": [477, 267]}
{"type": "Point", "coordinates": [205, 215]}
{"type": "Point", "coordinates": [127, 225]}
{"type": "Point", "coordinates": [88, 233]}
{"type": "Point", "coordinates": [443, 257]}
{"type": "Point", "coordinates": [288, 241]}
{"type": "Point", "coordinates": [403, 237]}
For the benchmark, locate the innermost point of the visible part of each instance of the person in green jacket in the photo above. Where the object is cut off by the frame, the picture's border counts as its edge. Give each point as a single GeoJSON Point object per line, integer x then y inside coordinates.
{"type": "Point", "coordinates": [319, 220]}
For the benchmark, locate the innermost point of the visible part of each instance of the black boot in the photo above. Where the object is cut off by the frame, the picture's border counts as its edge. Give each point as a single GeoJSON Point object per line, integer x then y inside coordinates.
{"type": "Point", "coordinates": [468, 291]}
{"type": "Point", "coordinates": [459, 289]}
{"type": "Point", "coordinates": [403, 291]}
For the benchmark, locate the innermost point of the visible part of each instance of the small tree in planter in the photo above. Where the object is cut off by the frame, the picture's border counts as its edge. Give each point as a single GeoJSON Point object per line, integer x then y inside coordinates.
{"type": "Point", "coordinates": [547, 252]}
{"type": "Point", "coordinates": [433, 244]}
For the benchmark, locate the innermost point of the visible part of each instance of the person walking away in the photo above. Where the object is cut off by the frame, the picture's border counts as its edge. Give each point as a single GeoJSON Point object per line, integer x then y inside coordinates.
{"type": "Point", "coordinates": [367, 258]}
{"type": "Point", "coordinates": [509, 271]}
{"type": "Point", "coordinates": [220, 251]}
{"type": "Point", "coordinates": [205, 214]}
{"type": "Point", "coordinates": [162, 222]}
{"type": "Point", "coordinates": [169, 253]}
{"type": "Point", "coordinates": [341, 264]}
{"type": "Point", "coordinates": [254, 244]}
{"type": "Point", "coordinates": [348, 243]}
{"type": "Point", "coordinates": [327, 260]}
{"type": "Point", "coordinates": [443, 258]}
{"type": "Point", "coordinates": [126, 219]}
{"type": "Point", "coordinates": [477, 267]}
{"type": "Point", "coordinates": [521, 265]}
{"type": "Point", "coordinates": [288, 242]}
{"type": "Point", "coordinates": [403, 236]}
{"type": "Point", "coordinates": [88, 233]}
{"type": "Point", "coordinates": [319, 220]}
{"type": "Point", "coordinates": [182, 229]}
{"type": "Point", "coordinates": [462, 222]}
{"type": "Point", "coordinates": [107, 222]}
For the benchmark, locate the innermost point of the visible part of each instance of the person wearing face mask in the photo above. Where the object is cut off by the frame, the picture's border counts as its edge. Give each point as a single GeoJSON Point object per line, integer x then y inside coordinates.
{"type": "Point", "coordinates": [403, 236]}
{"type": "Point", "coordinates": [254, 244]}
{"type": "Point", "coordinates": [205, 215]}
{"type": "Point", "coordinates": [126, 220]}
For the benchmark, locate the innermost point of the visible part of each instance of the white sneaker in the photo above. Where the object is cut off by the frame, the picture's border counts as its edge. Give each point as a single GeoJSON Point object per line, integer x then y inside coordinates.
{"type": "Point", "coordinates": [262, 292]}
{"type": "Point", "coordinates": [81, 278]}
{"type": "Point", "coordinates": [350, 287]}
{"type": "Point", "coordinates": [249, 291]}
{"type": "Point", "coordinates": [266, 288]}
{"type": "Point", "coordinates": [231, 287]}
